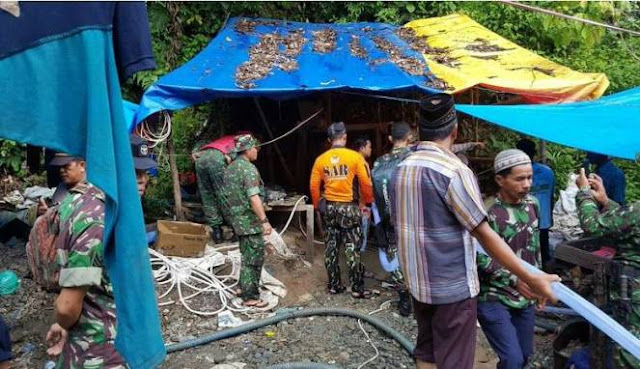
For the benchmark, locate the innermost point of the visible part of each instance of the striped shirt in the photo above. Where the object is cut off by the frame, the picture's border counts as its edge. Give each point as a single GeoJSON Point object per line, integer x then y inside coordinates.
{"type": "Point", "coordinates": [435, 204]}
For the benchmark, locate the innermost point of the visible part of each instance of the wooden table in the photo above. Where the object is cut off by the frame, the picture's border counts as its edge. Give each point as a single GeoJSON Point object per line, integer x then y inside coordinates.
{"type": "Point", "coordinates": [579, 252]}
{"type": "Point", "coordinates": [287, 206]}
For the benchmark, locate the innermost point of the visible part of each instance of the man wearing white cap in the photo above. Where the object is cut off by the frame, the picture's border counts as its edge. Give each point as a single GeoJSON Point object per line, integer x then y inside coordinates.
{"type": "Point", "coordinates": [506, 303]}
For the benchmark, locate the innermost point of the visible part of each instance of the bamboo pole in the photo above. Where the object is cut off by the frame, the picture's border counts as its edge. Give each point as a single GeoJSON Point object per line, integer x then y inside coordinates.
{"type": "Point", "coordinates": [177, 194]}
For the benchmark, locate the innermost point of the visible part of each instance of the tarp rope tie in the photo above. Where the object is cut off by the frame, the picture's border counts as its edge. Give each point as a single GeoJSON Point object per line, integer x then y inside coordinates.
{"type": "Point", "coordinates": [293, 129]}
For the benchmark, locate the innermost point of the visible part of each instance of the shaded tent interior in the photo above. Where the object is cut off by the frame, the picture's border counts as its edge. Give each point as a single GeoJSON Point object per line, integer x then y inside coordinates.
{"type": "Point", "coordinates": [364, 116]}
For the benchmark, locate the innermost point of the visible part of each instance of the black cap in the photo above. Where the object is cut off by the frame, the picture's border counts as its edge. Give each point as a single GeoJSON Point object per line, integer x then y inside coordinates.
{"type": "Point", "coordinates": [61, 159]}
{"type": "Point", "coordinates": [140, 149]}
{"type": "Point", "coordinates": [400, 130]}
{"type": "Point", "coordinates": [595, 158]}
{"type": "Point", "coordinates": [437, 111]}
{"type": "Point", "coordinates": [528, 146]}
{"type": "Point", "coordinates": [336, 130]}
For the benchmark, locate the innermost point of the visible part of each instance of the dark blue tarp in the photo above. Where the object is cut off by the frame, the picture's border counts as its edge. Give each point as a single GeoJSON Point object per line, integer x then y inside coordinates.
{"type": "Point", "coordinates": [610, 125]}
{"type": "Point", "coordinates": [211, 73]}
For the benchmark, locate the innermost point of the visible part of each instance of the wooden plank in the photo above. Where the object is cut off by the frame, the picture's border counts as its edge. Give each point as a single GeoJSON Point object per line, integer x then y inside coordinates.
{"type": "Point", "coordinates": [310, 233]}
{"type": "Point", "coordinates": [580, 257]}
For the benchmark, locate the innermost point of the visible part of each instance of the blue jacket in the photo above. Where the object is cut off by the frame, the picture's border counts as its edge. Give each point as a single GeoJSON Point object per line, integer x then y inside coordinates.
{"type": "Point", "coordinates": [544, 182]}
{"type": "Point", "coordinates": [614, 181]}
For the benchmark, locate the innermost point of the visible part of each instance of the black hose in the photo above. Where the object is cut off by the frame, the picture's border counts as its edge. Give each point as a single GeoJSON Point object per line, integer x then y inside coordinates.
{"type": "Point", "coordinates": [547, 326]}
{"type": "Point", "coordinates": [232, 332]}
{"type": "Point", "coordinates": [301, 365]}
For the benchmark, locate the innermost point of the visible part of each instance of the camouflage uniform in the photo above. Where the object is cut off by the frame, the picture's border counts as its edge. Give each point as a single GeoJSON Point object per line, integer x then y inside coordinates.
{"type": "Point", "coordinates": [342, 226]}
{"type": "Point", "coordinates": [241, 181]}
{"type": "Point", "coordinates": [623, 225]}
{"type": "Point", "coordinates": [210, 166]}
{"type": "Point", "coordinates": [382, 201]}
{"type": "Point", "coordinates": [518, 226]}
{"type": "Point", "coordinates": [80, 256]}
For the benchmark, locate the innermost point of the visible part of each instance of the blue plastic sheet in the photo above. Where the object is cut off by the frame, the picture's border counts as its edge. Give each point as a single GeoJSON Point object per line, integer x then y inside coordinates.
{"type": "Point", "coordinates": [130, 110]}
{"type": "Point", "coordinates": [610, 125]}
{"type": "Point", "coordinates": [211, 73]}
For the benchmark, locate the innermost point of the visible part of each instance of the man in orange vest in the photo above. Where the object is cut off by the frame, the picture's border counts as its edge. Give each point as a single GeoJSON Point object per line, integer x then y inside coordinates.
{"type": "Point", "coordinates": [340, 172]}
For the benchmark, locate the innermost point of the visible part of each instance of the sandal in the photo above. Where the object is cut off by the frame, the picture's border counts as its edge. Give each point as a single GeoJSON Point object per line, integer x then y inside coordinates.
{"type": "Point", "coordinates": [255, 303]}
{"type": "Point", "coordinates": [364, 294]}
{"type": "Point", "coordinates": [336, 290]}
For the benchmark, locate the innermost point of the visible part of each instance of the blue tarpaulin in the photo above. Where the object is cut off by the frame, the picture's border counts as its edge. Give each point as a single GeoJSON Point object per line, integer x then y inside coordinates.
{"type": "Point", "coordinates": [130, 110]}
{"type": "Point", "coordinates": [60, 88]}
{"type": "Point", "coordinates": [610, 125]}
{"type": "Point", "coordinates": [212, 73]}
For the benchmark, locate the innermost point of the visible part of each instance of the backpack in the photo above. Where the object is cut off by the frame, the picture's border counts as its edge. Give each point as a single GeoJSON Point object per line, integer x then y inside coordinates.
{"type": "Point", "coordinates": [381, 175]}
{"type": "Point", "coordinates": [42, 251]}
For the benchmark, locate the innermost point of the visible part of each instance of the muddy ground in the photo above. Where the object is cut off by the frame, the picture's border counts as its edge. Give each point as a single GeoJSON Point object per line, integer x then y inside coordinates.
{"type": "Point", "coordinates": [334, 340]}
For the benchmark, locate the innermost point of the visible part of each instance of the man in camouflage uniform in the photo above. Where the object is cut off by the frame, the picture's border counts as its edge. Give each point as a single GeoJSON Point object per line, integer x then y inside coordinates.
{"type": "Point", "coordinates": [243, 190]}
{"type": "Point", "coordinates": [401, 136]}
{"type": "Point", "coordinates": [211, 161]}
{"type": "Point", "coordinates": [602, 217]}
{"type": "Point", "coordinates": [505, 304]}
{"type": "Point", "coordinates": [85, 331]}
{"type": "Point", "coordinates": [342, 173]}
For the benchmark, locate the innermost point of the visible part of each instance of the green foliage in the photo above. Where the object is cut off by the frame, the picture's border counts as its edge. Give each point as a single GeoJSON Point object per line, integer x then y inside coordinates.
{"type": "Point", "coordinates": [564, 161]}
{"type": "Point", "coordinates": [187, 124]}
{"type": "Point", "coordinates": [12, 155]}
{"type": "Point", "coordinates": [500, 139]}
{"type": "Point", "coordinates": [632, 176]}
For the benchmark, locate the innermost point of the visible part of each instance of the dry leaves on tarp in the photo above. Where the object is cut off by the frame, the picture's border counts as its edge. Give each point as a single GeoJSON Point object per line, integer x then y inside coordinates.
{"type": "Point", "coordinates": [324, 41]}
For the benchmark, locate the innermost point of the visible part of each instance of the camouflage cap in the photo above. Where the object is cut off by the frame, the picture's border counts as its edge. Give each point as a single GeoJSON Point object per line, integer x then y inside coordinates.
{"type": "Point", "coordinates": [244, 143]}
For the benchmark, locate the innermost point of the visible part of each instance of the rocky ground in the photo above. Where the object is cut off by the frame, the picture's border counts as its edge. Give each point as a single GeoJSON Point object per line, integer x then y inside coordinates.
{"type": "Point", "coordinates": [333, 340]}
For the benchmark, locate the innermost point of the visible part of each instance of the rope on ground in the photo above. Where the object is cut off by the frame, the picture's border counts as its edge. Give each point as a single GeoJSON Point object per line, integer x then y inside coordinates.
{"type": "Point", "coordinates": [197, 279]}
{"type": "Point", "coordinates": [382, 307]}
{"type": "Point", "coordinates": [177, 276]}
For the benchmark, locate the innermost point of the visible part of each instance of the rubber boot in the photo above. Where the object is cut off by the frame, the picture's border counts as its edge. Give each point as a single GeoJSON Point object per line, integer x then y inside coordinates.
{"type": "Point", "coordinates": [404, 305]}
{"type": "Point", "coordinates": [217, 235]}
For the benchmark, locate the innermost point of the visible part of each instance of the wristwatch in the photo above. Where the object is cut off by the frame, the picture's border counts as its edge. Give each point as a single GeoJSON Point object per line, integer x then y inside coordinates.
{"type": "Point", "coordinates": [264, 221]}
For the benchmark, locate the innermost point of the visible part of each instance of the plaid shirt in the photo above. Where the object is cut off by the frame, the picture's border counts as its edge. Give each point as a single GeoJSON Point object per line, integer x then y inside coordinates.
{"type": "Point", "coordinates": [436, 203]}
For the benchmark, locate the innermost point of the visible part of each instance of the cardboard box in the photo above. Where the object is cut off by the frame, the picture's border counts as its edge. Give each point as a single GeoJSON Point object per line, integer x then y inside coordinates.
{"type": "Point", "coordinates": [181, 238]}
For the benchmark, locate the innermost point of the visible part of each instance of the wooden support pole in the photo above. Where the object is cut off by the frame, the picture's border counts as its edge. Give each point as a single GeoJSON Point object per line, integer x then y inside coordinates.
{"type": "Point", "coordinates": [475, 99]}
{"type": "Point", "coordinates": [177, 195]}
{"type": "Point", "coordinates": [543, 151]}
{"type": "Point", "coordinates": [265, 123]}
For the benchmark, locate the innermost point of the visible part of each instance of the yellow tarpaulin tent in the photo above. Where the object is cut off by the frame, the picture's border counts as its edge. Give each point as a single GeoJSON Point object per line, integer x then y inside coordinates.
{"type": "Point", "coordinates": [465, 54]}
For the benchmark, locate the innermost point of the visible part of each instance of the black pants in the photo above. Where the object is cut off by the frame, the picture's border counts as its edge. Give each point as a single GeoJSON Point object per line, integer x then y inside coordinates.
{"type": "Point", "coordinates": [544, 246]}
{"type": "Point", "coordinates": [5, 342]}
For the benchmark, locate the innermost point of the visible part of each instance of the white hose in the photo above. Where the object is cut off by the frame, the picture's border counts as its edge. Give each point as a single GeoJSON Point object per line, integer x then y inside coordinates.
{"type": "Point", "coordinates": [154, 138]}
{"type": "Point", "coordinates": [295, 206]}
{"type": "Point", "coordinates": [198, 280]}
{"type": "Point", "coordinates": [591, 313]}
{"type": "Point", "coordinates": [383, 306]}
